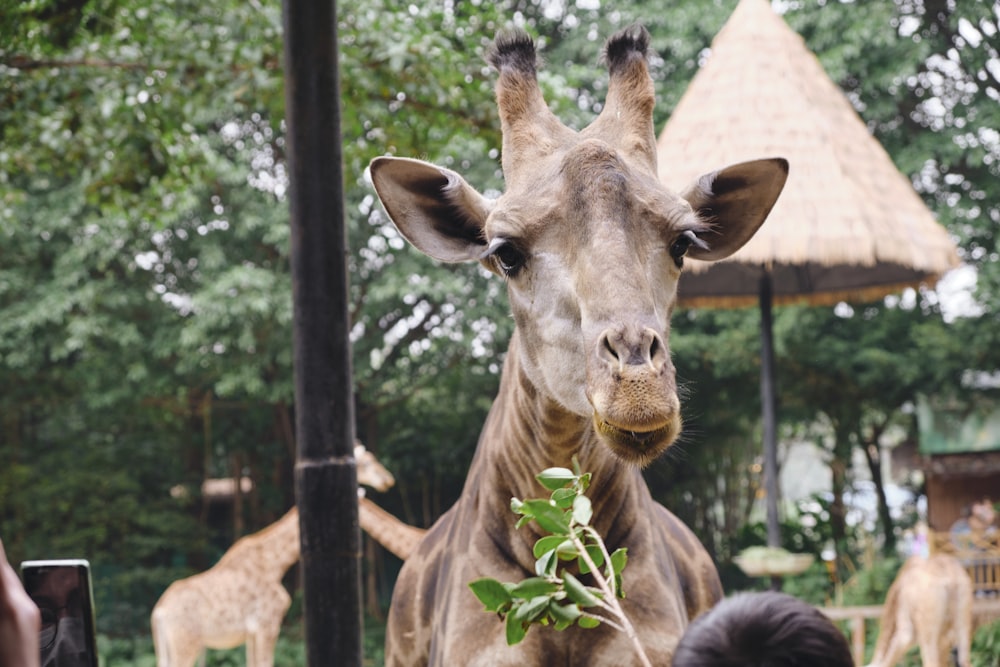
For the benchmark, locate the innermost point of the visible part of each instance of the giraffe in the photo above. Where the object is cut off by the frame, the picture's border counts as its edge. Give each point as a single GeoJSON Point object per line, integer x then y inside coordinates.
{"type": "Point", "coordinates": [238, 600]}
{"type": "Point", "coordinates": [241, 598]}
{"type": "Point", "coordinates": [929, 605]}
{"type": "Point", "coordinates": [591, 246]}
{"type": "Point", "coordinates": [398, 537]}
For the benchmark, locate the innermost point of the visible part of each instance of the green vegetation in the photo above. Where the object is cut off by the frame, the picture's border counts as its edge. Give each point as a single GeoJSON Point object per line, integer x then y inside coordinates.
{"type": "Point", "coordinates": [555, 595]}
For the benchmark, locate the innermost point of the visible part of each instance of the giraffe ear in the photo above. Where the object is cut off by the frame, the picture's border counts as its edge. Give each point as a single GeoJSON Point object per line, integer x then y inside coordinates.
{"type": "Point", "coordinates": [735, 201]}
{"type": "Point", "coordinates": [434, 208]}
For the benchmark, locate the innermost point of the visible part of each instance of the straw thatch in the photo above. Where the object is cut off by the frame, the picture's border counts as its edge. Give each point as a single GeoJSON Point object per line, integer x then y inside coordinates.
{"type": "Point", "coordinates": [848, 225]}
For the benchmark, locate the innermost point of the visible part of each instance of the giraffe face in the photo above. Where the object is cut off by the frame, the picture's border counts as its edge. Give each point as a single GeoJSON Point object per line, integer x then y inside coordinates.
{"type": "Point", "coordinates": [370, 471]}
{"type": "Point", "coordinates": [591, 244]}
{"type": "Point", "coordinates": [592, 269]}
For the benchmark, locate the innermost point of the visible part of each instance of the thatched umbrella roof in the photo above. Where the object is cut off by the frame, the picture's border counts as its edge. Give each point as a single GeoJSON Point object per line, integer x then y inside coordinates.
{"type": "Point", "coordinates": [848, 226]}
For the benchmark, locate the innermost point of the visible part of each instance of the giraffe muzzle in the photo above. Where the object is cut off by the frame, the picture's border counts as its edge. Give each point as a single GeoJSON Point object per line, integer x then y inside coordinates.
{"type": "Point", "coordinates": [631, 388]}
{"type": "Point", "coordinates": [639, 447]}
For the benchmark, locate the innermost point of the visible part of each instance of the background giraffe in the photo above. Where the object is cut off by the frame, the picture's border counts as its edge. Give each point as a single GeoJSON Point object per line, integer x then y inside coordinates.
{"type": "Point", "coordinates": [398, 537]}
{"type": "Point", "coordinates": [241, 598]}
{"type": "Point", "coordinates": [928, 605]}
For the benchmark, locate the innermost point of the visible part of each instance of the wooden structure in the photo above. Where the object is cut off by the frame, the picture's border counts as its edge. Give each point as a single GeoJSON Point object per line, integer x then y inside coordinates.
{"type": "Point", "coordinates": [848, 225]}
{"type": "Point", "coordinates": [979, 554]}
{"type": "Point", "coordinates": [960, 457]}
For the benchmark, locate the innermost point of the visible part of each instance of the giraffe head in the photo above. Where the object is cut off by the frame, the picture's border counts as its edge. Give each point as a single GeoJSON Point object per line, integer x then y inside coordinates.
{"type": "Point", "coordinates": [591, 244]}
{"type": "Point", "coordinates": [370, 471]}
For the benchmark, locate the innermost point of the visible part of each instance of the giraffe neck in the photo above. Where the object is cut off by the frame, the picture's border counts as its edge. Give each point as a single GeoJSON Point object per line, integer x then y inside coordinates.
{"type": "Point", "coordinates": [528, 432]}
{"type": "Point", "coordinates": [398, 537]}
{"type": "Point", "coordinates": [268, 552]}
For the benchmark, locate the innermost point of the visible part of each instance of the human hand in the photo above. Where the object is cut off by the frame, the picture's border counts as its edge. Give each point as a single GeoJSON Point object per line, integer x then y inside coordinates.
{"type": "Point", "coordinates": [20, 621]}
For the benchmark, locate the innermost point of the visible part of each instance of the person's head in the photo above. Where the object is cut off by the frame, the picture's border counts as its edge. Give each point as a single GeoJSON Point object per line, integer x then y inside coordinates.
{"type": "Point", "coordinates": [59, 597]}
{"type": "Point", "coordinates": [983, 512]}
{"type": "Point", "coordinates": [763, 630]}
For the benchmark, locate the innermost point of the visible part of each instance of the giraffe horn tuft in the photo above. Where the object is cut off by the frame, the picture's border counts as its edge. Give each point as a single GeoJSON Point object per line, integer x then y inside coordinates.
{"type": "Point", "coordinates": [625, 45]}
{"type": "Point", "coordinates": [627, 118]}
{"type": "Point", "coordinates": [513, 49]}
{"type": "Point", "coordinates": [530, 129]}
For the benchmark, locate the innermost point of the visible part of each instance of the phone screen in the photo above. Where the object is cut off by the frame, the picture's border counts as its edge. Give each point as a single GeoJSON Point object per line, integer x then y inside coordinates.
{"type": "Point", "coordinates": [62, 590]}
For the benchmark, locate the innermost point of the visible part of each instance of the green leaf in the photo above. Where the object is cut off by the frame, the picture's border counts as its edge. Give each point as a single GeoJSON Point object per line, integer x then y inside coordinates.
{"type": "Point", "coordinates": [567, 550]}
{"type": "Point", "coordinates": [533, 587]}
{"type": "Point", "coordinates": [491, 593]}
{"type": "Point", "coordinates": [547, 543]}
{"type": "Point", "coordinates": [545, 566]}
{"type": "Point", "coordinates": [618, 560]}
{"type": "Point", "coordinates": [588, 622]}
{"type": "Point", "coordinates": [596, 555]}
{"type": "Point", "coordinates": [619, 590]}
{"type": "Point", "coordinates": [532, 610]}
{"type": "Point", "coordinates": [583, 512]}
{"type": "Point", "coordinates": [515, 505]}
{"type": "Point", "coordinates": [549, 517]}
{"type": "Point", "coordinates": [563, 498]}
{"type": "Point", "coordinates": [515, 630]}
{"type": "Point", "coordinates": [563, 614]}
{"type": "Point", "coordinates": [577, 592]}
{"type": "Point", "coordinates": [555, 478]}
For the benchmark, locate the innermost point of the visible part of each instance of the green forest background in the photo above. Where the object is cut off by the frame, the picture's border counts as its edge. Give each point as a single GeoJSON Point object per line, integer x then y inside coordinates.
{"type": "Point", "coordinates": [145, 296]}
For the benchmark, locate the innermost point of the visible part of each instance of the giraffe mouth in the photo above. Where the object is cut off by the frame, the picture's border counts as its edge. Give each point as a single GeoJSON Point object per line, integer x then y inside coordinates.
{"type": "Point", "coordinates": [637, 446]}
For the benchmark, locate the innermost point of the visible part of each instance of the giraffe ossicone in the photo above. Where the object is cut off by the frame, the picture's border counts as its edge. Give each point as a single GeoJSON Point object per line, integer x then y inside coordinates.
{"type": "Point", "coordinates": [591, 246]}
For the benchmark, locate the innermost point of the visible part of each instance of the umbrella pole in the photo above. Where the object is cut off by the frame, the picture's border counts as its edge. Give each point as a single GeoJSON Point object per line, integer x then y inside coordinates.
{"type": "Point", "coordinates": [767, 399]}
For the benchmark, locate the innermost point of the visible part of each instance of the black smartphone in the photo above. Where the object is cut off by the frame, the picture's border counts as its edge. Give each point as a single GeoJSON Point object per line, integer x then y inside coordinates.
{"type": "Point", "coordinates": [64, 594]}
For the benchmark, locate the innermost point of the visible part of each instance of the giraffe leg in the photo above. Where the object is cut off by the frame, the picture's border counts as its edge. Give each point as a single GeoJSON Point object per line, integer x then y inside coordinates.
{"type": "Point", "coordinates": [900, 641]}
{"type": "Point", "coordinates": [931, 651]}
{"type": "Point", "coordinates": [260, 647]}
{"type": "Point", "coordinates": [187, 654]}
{"type": "Point", "coordinates": [963, 636]}
{"type": "Point", "coordinates": [178, 651]}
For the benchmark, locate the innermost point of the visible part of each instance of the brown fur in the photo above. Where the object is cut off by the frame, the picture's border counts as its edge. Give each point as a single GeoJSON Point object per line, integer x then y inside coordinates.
{"type": "Point", "coordinates": [928, 605]}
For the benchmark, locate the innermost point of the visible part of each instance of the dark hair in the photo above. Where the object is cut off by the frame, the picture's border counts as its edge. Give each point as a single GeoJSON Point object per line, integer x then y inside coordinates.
{"type": "Point", "coordinates": [763, 630]}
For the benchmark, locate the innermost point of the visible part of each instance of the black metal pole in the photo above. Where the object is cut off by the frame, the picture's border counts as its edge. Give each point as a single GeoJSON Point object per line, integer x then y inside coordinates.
{"type": "Point", "coordinates": [768, 413]}
{"type": "Point", "coordinates": [325, 472]}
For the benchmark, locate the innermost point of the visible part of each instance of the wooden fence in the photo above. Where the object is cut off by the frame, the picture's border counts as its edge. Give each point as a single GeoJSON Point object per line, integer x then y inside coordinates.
{"type": "Point", "coordinates": [978, 553]}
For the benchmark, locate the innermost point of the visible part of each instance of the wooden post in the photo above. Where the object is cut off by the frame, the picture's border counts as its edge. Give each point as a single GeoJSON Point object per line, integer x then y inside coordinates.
{"type": "Point", "coordinates": [325, 471]}
{"type": "Point", "coordinates": [858, 639]}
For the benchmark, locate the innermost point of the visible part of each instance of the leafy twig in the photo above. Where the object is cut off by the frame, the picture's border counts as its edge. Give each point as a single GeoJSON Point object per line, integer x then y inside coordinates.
{"type": "Point", "coordinates": [556, 596]}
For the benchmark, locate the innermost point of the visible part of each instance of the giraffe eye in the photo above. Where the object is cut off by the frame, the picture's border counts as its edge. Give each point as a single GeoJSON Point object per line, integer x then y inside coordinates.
{"type": "Point", "coordinates": [507, 257]}
{"type": "Point", "coordinates": [683, 243]}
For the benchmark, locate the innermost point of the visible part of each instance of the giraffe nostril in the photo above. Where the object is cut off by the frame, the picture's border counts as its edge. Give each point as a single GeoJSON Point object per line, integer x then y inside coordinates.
{"type": "Point", "coordinates": [623, 348]}
{"type": "Point", "coordinates": [654, 347]}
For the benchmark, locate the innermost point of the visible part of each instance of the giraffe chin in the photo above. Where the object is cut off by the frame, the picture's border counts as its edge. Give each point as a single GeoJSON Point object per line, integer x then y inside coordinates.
{"type": "Point", "coordinates": [638, 447]}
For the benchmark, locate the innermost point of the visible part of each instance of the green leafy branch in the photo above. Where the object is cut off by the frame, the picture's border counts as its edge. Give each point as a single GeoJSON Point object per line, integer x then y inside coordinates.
{"type": "Point", "coordinates": [555, 595]}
